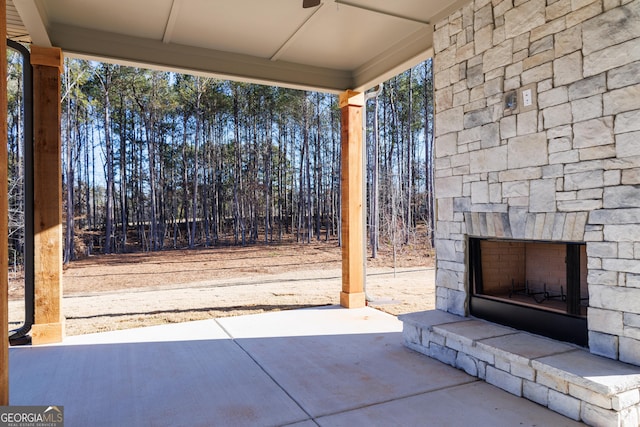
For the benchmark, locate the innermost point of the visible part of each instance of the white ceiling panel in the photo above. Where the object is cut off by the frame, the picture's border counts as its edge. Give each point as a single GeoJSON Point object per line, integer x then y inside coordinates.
{"type": "Point", "coordinates": [138, 18]}
{"type": "Point", "coordinates": [345, 37]}
{"type": "Point", "coordinates": [234, 26]}
{"type": "Point", "coordinates": [338, 45]}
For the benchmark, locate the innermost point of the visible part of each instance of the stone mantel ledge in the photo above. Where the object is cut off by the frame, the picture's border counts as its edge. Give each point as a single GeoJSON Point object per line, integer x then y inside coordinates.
{"type": "Point", "coordinates": [563, 377]}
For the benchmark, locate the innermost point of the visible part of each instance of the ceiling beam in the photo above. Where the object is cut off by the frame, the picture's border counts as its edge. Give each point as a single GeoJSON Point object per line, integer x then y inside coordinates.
{"type": "Point", "coordinates": [171, 21]}
{"type": "Point", "coordinates": [405, 54]}
{"type": "Point", "coordinates": [380, 11]}
{"type": "Point", "coordinates": [34, 20]}
{"type": "Point", "coordinates": [146, 53]}
{"type": "Point", "coordinates": [295, 35]}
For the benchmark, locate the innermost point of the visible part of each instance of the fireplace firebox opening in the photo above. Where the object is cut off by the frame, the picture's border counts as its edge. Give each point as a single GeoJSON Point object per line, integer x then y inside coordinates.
{"type": "Point", "coordinates": [540, 287]}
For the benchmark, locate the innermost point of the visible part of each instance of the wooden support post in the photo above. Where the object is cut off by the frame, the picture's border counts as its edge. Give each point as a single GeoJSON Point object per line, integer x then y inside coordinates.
{"type": "Point", "coordinates": [4, 216]}
{"type": "Point", "coordinates": [353, 252]}
{"type": "Point", "coordinates": [47, 195]}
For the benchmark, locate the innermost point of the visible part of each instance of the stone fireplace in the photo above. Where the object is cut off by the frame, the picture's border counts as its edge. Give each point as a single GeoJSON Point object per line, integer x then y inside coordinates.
{"type": "Point", "coordinates": [537, 155]}
{"type": "Point", "coordinates": [538, 139]}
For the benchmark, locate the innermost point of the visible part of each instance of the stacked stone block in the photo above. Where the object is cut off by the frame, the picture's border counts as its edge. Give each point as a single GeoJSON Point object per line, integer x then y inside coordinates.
{"type": "Point", "coordinates": [562, 377]}
{"type": "Point", "coordinates": [565, 168]}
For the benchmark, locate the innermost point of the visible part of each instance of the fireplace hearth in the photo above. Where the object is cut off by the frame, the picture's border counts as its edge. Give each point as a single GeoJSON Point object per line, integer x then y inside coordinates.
{"type": "Point", "coordinates": [537, 286]}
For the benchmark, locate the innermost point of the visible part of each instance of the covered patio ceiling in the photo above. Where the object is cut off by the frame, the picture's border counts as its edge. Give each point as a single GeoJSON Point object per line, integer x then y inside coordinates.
{"type": "Point", "coordinates": [338, 45]}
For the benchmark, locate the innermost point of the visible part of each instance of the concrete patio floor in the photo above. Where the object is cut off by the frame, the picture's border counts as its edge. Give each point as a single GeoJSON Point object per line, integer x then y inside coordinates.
{"type": "Point", "coordinates": [323, 366]}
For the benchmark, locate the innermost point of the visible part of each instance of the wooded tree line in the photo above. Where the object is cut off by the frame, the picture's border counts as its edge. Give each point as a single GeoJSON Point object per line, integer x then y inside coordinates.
{"type": "Point", "coordinates": [156, 160]}
{"type": "Point", "coordinates": [15, 166]}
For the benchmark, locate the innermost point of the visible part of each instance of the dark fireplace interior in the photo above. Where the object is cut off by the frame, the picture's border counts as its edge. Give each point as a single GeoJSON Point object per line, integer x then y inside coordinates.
{"type": "Point", "coordinates": [540, 287]}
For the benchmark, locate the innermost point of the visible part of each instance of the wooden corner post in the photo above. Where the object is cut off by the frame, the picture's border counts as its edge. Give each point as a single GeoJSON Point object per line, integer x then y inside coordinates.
{"type": "Point", "coordinates": [4, 216]}
{"type": "Point", "coordinates": [47, 195]}
{"type": "Point", "coordinates": [353, 252]}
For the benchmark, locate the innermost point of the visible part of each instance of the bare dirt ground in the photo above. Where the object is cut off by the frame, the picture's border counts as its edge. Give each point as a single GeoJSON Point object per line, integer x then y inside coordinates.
{"type": "Point", "coordinates": [110, 292]}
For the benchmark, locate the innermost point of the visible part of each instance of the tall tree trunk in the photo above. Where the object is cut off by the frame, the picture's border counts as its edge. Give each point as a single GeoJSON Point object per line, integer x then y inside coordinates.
{"type": "Point", "coordinates": [174, 192]}
{"type": "Point", "coordinates": [237, 183]}
{"type": "Point", "coordinates": [108, 244]}
{"type": "Point", "coordinates": [88, 147]}
{"type": "Point", "coordinates": [268, 187]}
{"type": "Point", "coordinates": [409, 182]}
{"type": "Point", "coordinates": [153, 223]}
{"type": "Point", "coordinates": [206, 185]}
{"type": "Point", "coordinates": [282, 194]}
{"type": "Point", "coordinates": [337, 151]}
{"type": "Point", "coordinates": [185, 180]}
{"type": "Point", "coordinates": [94, 207]}
{"type": "Point", "coordinates": [428, 140]}
{"type": "Point", "coordinates": [151, 151]}
{"type": "Point", "coordinates": [375, 190]}
{"type": "Point", "coordinates": [301, 186]}
{"type": "Point", "coordinates": [68, 247]}
{"type": "Point", "coordinates": [318, 170]}
{"type": "Point", "coordinates": [307, 163]}
{"type": "Point", "coordinates": [124, 219]}
{"type": "Point", "coordinates": [194, 200]}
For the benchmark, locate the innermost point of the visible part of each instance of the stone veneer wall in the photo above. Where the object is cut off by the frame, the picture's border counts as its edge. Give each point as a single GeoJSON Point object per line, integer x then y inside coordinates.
{"type": "Point", "coordinates": [567, 168]}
